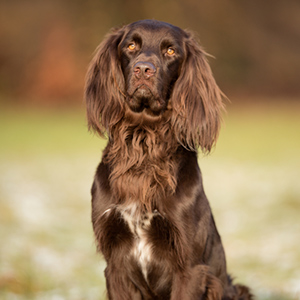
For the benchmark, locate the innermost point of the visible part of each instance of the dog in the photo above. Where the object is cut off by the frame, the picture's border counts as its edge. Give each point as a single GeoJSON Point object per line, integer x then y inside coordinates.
{"type": "Point", "coordinates": [150, 90]}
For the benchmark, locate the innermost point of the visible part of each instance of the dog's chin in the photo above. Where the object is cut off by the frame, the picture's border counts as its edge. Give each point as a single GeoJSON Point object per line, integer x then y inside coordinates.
{"type": "Point", "coordinates": [144, 101]}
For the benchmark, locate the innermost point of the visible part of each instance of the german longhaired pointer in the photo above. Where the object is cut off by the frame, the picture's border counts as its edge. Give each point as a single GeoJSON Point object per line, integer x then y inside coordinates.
{"type": "Point", "coordinates": [150, 89]}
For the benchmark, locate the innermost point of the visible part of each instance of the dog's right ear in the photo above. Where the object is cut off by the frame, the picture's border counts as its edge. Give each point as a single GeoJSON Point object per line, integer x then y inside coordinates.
{"type": "Point", "coordinates": [104, 85]}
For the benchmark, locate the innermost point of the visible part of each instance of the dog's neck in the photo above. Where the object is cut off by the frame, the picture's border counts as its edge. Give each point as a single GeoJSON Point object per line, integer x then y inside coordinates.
{"type": "Point", "coordinates": [142, 163]}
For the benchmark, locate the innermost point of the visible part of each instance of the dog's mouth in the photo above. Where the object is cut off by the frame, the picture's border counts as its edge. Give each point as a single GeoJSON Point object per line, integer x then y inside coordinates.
{"type": "Point", "coordinates": [143, 91]}
{"type": "Point", "coordinates": [143, 99]}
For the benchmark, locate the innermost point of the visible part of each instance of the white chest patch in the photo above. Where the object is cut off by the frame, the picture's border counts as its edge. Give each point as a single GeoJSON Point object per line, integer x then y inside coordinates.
{"type": "Point", "coordinates": [139, 226]}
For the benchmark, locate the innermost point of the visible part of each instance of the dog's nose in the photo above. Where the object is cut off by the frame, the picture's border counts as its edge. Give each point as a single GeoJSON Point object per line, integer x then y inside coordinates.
{"type": "Point", "coordinates": [144, 69]}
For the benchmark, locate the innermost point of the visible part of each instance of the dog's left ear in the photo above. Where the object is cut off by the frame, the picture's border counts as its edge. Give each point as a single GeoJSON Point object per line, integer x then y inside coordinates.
{"type": "Point", "coordinates": [196, 101]}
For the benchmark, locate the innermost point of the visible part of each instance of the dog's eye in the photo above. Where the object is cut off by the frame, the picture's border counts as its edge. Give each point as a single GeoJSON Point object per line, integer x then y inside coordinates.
{"type": "Point", "coordinates": [131, 46]}
{"type": "Point", "coordinates": [170, 51]}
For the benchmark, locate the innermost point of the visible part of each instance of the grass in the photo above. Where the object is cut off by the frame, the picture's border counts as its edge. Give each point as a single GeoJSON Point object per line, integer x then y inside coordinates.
{"type": "Point", "coordinates": [27, 132]}
{"type": "Point", "coordinates": [47, 162]}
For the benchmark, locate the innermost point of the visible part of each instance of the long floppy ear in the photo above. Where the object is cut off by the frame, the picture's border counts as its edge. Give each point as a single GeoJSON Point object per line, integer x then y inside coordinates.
{"type": "Point", "coordinates": [104, 81]}
{"type": "Point", "coordinates": [197, 101]}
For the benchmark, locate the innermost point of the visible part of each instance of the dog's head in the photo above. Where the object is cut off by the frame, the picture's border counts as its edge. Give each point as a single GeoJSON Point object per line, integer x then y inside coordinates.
{"type": "Point", "coordinates": [151, 69]}
{"type": "Point", "coordinates": [151, 55]}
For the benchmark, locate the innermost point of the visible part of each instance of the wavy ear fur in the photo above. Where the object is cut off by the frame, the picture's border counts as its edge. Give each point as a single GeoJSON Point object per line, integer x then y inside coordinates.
{"type": "Point", "coordinates": [104, 82]}
{"type": "Point", "coordinates": [196, 101]}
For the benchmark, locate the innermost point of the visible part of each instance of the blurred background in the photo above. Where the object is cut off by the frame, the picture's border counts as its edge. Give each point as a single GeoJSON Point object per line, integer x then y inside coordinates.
{"type": "Point", "coordinates": [48, 158]}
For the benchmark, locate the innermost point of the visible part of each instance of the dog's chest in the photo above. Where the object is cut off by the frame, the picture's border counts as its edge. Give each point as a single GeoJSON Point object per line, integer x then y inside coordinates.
{"type": "Point", "coordinates": [140, 225]}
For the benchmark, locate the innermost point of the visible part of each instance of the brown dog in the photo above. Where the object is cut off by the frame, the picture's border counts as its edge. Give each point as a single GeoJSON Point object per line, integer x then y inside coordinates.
{"type": "Point", "coordinates": [151, 90]}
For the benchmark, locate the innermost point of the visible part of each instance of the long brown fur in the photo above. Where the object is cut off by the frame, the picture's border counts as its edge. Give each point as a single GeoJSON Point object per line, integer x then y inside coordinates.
{"type": "Point", "coordinates": [147, 193]}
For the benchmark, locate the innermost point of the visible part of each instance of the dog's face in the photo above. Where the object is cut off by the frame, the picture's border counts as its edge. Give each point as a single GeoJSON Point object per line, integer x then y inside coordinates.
{"type": "Point", "coordinates": [152, 72]}
{"type": "Point", "coordinates": [151, 55]}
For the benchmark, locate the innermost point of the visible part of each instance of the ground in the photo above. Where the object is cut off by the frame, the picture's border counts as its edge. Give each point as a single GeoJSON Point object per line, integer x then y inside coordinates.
{"type": "Point", "coordinates": [47, 163]}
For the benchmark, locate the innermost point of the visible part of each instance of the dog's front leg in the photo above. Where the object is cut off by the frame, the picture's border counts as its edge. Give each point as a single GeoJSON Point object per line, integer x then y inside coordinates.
{"type": "Point", "coordinates": [195, 284]}
{"type": "Point", "coordinates": [119, 286]}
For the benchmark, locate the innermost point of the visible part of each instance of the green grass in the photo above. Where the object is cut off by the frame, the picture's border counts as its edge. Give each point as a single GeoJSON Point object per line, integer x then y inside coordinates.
{"type": "Point", "coordinates": [47, 162]}
{"type": "Point", "coordinates": [27, 132]}
{"type": "Point", "coordinates": [264, 133]}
